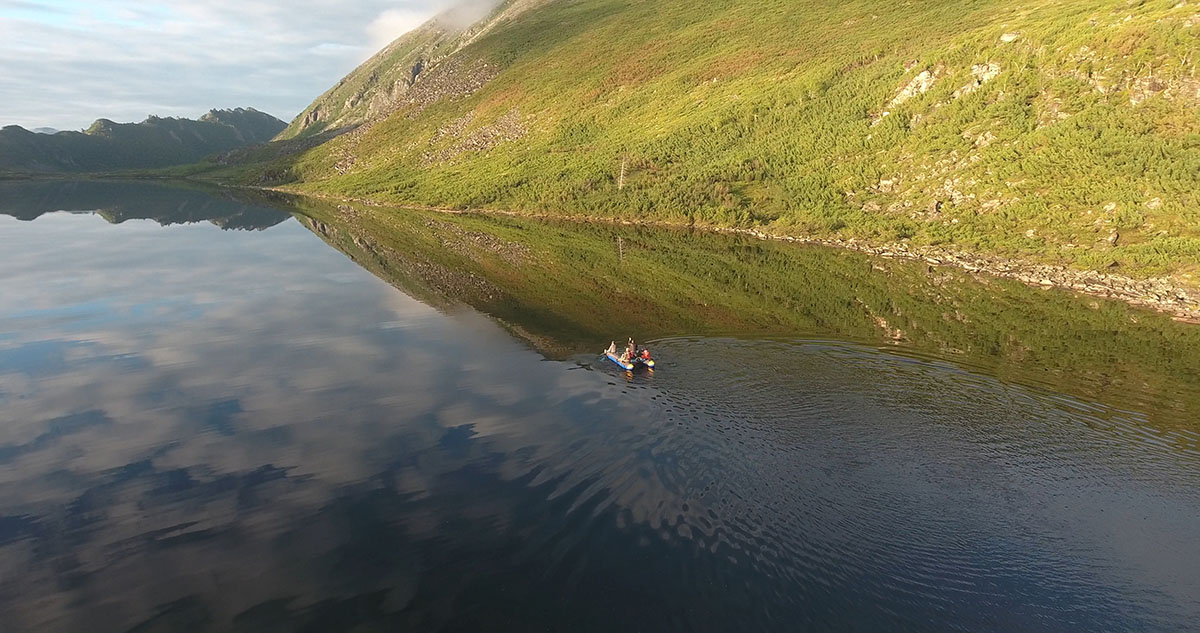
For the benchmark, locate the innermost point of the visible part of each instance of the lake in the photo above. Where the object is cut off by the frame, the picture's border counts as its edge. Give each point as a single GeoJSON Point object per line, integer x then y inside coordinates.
{"type": "Point", "coordinates": [226, 411]}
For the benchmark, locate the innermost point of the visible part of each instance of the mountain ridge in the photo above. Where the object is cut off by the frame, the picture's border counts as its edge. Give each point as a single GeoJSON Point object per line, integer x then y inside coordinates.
{"type": "Point", "coordinates": [153, 143]}
{"type": "Point", "coordinates": [376, 88]}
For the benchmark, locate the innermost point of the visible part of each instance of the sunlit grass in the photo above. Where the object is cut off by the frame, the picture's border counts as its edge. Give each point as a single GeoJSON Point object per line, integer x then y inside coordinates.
{"type": "Point", "coordinates": [759, 113]}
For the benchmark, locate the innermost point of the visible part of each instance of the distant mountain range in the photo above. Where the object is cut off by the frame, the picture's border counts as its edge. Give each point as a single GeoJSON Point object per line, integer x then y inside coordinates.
{"type": "Point", "coordinates": [155, 142]}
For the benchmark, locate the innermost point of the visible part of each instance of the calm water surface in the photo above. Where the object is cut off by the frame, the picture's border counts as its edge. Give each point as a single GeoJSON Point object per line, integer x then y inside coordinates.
{"type": "Point", "coordinates": [243, 430]}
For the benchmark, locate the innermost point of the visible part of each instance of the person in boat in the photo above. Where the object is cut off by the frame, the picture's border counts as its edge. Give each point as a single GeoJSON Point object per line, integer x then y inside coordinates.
{"type": "Point", "coordinates": [612, 351]}
{"type": "Point", "coordinates": [631, 352]}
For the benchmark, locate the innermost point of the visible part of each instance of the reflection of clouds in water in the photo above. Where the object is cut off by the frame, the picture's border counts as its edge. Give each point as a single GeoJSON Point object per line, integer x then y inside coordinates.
{"type": "Point", "coordinates": [252, 364]}
{"type": "Point", "coordinates": [284, 439]}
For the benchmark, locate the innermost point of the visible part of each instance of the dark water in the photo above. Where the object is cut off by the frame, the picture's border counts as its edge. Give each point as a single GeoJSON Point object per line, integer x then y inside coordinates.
{"type": "Point", "coordinates": [244, 430]}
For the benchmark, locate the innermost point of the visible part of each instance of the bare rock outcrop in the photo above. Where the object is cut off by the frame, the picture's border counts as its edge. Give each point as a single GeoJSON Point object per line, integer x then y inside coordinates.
{"type": "Point", "coordinates": [918, 85]}
{"type": "Point", "coordinates": [509, 127]}
{"type": "Point", "coordinates": [982, 74]}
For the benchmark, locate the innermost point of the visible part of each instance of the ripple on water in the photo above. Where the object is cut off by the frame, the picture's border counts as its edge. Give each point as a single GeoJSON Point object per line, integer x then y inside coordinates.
{"type": "Point", "coordinates": [273, 439]}
{"type": "Point", "coordinates": [834, 474]}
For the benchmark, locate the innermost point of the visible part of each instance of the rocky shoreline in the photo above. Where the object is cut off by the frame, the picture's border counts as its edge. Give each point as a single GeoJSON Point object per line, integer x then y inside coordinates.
{"type": "Point", "coordinates": [1160, 294]}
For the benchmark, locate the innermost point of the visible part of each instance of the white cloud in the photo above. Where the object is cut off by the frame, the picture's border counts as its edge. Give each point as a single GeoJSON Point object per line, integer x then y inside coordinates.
{"type": "Point", "coordinates": [393, 23]}
{"type": "Point", "coordinates": [67, 64]}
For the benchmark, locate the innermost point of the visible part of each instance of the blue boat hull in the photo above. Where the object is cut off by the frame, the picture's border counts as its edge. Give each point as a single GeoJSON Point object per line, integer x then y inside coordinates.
{"type": "Point", "coordinates": [637, 362]}
{"type": "Point", "coordinates": [619, 362]}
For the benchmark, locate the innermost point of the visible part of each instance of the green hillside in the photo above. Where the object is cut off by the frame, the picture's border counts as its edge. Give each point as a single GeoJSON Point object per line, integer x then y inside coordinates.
{"type": "Point", "coordinates": [1064, 132]}
{"type": "Point", "coordinates": [155, 142]}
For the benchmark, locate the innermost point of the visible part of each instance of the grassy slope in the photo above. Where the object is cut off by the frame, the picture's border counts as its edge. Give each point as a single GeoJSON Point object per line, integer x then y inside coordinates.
{"type": "Point", "coordinates": [759, 112]}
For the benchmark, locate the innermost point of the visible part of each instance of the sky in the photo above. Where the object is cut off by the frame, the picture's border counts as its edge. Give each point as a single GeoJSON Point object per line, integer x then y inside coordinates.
{"type": "Point", "coordinates": [65, 63]}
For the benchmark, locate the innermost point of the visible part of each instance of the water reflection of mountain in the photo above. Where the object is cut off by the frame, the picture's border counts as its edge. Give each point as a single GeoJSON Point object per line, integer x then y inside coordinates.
{"type": "Point", "coordinates": [118, 201]}
{"type": "Point", "coordinates": [567, 288]}
{"type": "Point", "coordinates": [270, 440]}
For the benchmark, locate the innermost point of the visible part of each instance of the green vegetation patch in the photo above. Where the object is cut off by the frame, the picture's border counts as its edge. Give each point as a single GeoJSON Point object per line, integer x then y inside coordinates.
{"type": "Point", "coordinates": [1063, 132]}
